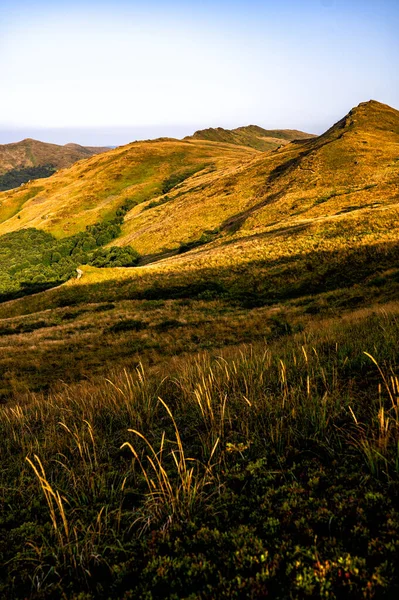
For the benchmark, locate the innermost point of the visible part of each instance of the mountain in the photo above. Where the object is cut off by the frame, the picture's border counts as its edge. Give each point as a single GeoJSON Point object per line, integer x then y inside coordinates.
{"type": "Point", "coordinates": [94, 189]}
{"type": "Point", "coordinates": [311, 216]}
{"type": "Point", "coordinates": [226, 398]}
{"type": "Point", "coordinates": [31, 159]}
{"type": "Point", "coordinates": [252, 136]}
{"type": "Point", "coordinates": [181, 194]}
{"type": "Point", "coordinates": [177, 190]}
{"type": "Point", "coordinates": [341, 176]}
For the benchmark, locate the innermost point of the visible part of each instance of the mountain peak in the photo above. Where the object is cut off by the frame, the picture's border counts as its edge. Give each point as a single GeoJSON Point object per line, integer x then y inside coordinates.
{"type": "Point", "coordinates": [367, 116]}
{"type": "Point", "coordinates": [30, 140]}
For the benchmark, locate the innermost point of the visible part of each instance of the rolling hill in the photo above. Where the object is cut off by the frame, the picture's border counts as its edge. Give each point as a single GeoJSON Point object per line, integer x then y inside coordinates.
{"type": "Point", "coordinates": [95, 188]}
{"type": "Point", "coordinates": [314, 222]}
{"type": "Point", "coordinates": [232, 207]}
{"type": "Point", "coordinates": [221, 419]}
{"type": "Point", "coordinates": [252, 136]}
{"type": "Point", "coordinates": [31, 159]}
{"type": "Point", "coordinates": [347, 175]}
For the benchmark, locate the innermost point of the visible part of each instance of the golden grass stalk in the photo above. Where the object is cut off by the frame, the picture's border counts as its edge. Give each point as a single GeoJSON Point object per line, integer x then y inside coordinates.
{"type": "Point", "coordinates": [54, 502]}
{"type": "Point", "coordinates": [172, 494]}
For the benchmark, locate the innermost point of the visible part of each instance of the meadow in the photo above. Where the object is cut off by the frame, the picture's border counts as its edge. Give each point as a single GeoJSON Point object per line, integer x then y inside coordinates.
{"type": "Point", "coordinates": [269, 469]}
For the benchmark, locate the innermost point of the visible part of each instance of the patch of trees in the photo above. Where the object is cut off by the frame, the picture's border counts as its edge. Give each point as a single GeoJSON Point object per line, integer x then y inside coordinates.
{"type": "Point", "coordinates": [32, 260]}
{"type": "Point", "coordinates": [17, 177]}
{"type": "Point", "coordinates": [115, 257]}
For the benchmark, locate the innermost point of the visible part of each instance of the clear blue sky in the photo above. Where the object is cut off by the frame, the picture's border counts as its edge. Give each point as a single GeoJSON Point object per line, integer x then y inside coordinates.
{"type": "Point", "coordinates": [102, 72]}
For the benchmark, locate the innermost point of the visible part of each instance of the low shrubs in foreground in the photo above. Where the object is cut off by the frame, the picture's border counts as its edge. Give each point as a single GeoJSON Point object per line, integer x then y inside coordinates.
{"type": "Point", "coordinates": [253, 475]}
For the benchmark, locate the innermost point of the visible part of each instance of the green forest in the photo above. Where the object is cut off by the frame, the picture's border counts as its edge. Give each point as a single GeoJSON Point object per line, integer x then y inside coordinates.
{"type": "Point", "coordinates": [32, 260]}
{"type": "Point", "coordinates": [17, 177]}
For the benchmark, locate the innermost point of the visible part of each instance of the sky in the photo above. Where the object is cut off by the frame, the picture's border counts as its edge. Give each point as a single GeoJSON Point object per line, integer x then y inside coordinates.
{"type": "Point", "coordinates": [109, 72]}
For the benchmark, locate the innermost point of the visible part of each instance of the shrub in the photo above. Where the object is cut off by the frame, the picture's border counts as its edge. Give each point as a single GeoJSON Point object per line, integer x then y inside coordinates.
{"type": "Point", "coordinates": [115, 257]}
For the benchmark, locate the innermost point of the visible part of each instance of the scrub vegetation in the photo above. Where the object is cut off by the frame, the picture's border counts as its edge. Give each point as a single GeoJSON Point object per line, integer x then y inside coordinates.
{"type": "Point", "coordinates": [268, 470]}
{"type": "Point", "coordinates": [32, 260]}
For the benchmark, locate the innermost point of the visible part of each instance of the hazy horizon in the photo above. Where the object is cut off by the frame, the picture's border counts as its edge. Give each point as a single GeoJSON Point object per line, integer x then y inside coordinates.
{"type": "Point", "coordinates": [97, 73]}
{"type": "Point", "coordinates": [119, 136]}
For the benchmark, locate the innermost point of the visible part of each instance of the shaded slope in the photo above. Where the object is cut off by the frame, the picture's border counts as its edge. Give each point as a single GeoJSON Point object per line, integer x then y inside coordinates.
{"type": "Point", "coordinates": [252, 136]}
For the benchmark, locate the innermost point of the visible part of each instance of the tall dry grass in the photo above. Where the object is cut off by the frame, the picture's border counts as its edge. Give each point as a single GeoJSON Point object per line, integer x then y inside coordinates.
{"type": "Point", "coordinates": [114, 457]}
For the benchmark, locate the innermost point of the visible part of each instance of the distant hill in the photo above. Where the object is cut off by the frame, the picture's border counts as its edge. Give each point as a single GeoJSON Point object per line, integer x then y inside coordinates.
{"type": "Point", "coordinates": [95, 189]}
{"type": "Point", "coordinates": [32, 159]}
{"type": "Point", "coordinates": [252, 136]}
{"type": "Point", "coordinates": [305, 217]}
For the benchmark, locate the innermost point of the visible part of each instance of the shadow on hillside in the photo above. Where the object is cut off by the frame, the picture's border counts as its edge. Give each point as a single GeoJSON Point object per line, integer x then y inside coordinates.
{"type": "Point", "coordinates": [151, 258]}
{"type": "Point", "coordinates": [235, 222]}
{"type": "Point", "coordinates": [27, 289]}
{"type": "Point", "coordinates": [257, 283]}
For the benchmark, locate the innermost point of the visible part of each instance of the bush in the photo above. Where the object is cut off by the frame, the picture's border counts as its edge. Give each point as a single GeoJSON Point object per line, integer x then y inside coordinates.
{"type": "Point", "coordinates": [33, 260]}
{"type": "Point", "coordinates": [115, 257]}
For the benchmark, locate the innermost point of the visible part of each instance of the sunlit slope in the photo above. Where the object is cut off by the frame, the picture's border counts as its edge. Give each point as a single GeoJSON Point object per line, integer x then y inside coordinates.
{"type": "Point", "coordinates": [314, 217]}
{"type": "Point", "coordinates": [252, 136]}
{"type": "Point", "coordinates": [93, 189]}
{"type": "Point", "coordinates": [353, 167]}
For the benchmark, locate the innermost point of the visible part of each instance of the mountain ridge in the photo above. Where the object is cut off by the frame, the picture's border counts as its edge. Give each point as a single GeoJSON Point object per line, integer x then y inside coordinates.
{"type": "Point", "coordinates": [339, 169]}
{"type": "Point", "coordinates": [250, 135]}
{"type": "Point", "coordinates": [355, 155]}
{"type": "Point", "coordinates": [31, 153]}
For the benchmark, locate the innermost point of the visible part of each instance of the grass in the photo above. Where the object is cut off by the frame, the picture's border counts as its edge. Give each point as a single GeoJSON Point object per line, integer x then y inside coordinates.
{"type": "Point", "coordinates": [228, 476]}
{"type": "Point", "coordinates": [92, 190]}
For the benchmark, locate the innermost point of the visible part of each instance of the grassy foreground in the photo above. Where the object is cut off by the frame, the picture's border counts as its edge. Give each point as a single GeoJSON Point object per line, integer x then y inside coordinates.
{"type": "Point", "coordinates": [270, 471]}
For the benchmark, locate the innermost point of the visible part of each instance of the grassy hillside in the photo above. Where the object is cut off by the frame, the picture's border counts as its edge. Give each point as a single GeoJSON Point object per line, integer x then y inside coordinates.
{"type": "Point", "coordinates": [282, 224]}
{"type": "Point", "coordinates": [252, 136]}
{"type": "Point", "coordinates": [270, 470]}
{"type": "Point", "coordinates": [338, 253]}
{"type": "Point", "coordinates": [220, 421]}
{"type": "Point", "coordinates": [31, 159]}
{"type": "Point", "coordinates": [339, 182]}
{"type": "Point", "coordinates": [94, 189]}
